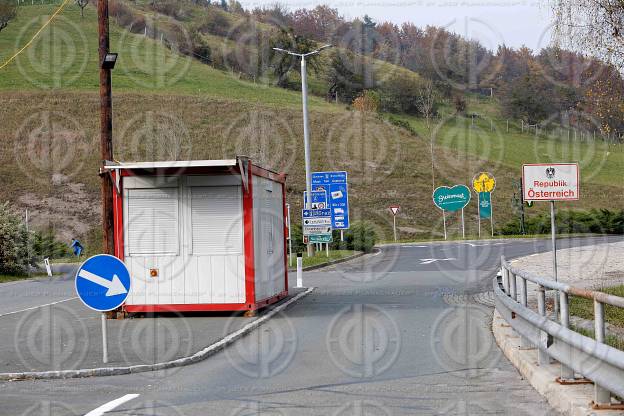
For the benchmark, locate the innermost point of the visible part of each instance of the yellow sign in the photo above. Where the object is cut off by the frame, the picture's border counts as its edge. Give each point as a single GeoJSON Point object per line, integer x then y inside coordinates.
{"type": "Point", "coordinates": [483, 182]}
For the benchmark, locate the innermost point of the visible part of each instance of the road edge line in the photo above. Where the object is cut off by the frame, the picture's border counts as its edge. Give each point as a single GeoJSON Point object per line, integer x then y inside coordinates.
{"type": "Point", "coordinates": [142, 368]}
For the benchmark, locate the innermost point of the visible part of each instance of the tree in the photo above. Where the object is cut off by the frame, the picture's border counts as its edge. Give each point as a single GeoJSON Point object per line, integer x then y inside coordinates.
{"type": "Point", "coordinates": [367, 102]}
{"type": "Point", "coordinates": [8, 12]}
{"type": "Point", "coordinates": [224, 5]}
{"type": "Point", "coordinates": [427, 104]}
{"type": "Point", "coordinates": [82, 4]}
{"type": "Point", "coordinates": [13, 243]}
{"type": "Point", "coordinates": [284, 63]}
{"type": "Point", "coordinates": [591, 25]}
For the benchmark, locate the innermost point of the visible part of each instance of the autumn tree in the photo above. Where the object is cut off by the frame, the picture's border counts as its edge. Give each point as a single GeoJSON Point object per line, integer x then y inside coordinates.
{"type": "Point", "coordinates": [591, 25]}
{"type": "Point", "coordinates": [8, 12]}
{"type": "Point", "coordinates": [82, 4]}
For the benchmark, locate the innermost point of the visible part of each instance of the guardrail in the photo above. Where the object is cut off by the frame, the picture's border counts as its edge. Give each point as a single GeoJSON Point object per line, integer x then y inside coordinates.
{"type": "Point", "coordinates": [577, 354]}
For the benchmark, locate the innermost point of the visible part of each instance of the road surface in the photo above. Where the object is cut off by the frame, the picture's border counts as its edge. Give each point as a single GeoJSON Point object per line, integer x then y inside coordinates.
{"type": "Point", "coordinates": [401, 332]}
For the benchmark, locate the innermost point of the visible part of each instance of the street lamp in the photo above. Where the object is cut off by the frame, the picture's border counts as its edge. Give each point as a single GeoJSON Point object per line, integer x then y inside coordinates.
{"type": "Point", "coordinates": [306, 123]}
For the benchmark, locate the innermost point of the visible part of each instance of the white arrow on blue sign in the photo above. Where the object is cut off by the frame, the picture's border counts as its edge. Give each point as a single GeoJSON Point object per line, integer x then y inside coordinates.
{"type": "Point", "coordinates": [103, 283]}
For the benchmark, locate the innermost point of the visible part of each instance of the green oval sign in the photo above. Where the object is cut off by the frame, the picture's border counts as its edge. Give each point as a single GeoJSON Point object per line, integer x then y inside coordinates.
{"type": "Point", "coordinates": [452, 199]}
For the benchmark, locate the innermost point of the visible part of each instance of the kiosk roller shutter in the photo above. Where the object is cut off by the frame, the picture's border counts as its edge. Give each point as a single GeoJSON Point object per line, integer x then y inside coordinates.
{"type": "Point", "coordinates": [153, 221]}
{"type": "Point", "coordinates": [217, 220]}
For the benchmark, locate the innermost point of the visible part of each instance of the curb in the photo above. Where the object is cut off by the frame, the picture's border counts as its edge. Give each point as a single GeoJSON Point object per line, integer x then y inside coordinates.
{"type": "Point", "coordinates": [333, 262]}
{"type": "Point", "coordinates": [570, 400]}
{"type": "Point", "coordinates": [180, 362]}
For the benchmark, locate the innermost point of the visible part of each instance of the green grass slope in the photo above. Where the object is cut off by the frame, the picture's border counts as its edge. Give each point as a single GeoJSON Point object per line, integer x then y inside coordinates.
{"type": "Point", "coordinates": [167, 106]}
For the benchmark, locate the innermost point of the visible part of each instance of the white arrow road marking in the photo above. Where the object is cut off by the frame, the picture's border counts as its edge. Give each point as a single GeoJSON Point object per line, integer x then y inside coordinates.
{"type": "Point", "coordinates": [115, 287]}
{"type": "Point", "coordinates": [429, 261]}
{"type": "Point", "coordinates": [111, 405]}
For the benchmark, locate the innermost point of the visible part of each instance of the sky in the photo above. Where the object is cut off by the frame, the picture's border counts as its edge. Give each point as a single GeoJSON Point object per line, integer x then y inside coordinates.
{"type": "Point", "coordinates": [492, 22]}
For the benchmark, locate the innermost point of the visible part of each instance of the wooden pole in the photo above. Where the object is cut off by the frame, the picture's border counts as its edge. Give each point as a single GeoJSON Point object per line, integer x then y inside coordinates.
{"type": "Point", "coordinates": [106, 130]}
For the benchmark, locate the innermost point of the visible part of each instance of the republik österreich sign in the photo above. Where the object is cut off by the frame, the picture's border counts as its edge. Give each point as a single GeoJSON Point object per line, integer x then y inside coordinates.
{"type": "Point", "coordinates": [551, 182]}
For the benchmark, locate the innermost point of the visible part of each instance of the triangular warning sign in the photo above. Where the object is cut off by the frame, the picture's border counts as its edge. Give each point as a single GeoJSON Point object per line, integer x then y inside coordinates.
{"type": "Point", "coordinates": [395, 209]}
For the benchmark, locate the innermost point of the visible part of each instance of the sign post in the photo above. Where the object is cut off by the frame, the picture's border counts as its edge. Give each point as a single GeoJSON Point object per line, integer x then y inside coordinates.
{"type": "Point", "coordinates": [102, 284]}
{"type": "Point", "coordinates": [551, 182]}
{"type": "Point", "coordinates": [484, 184]}
{"type": "Point", "coordinates": [452, 200]}
{"type": "Point", "coordinates": [289, 235]}
{"type": "Point", "coordinates": [395, 210]}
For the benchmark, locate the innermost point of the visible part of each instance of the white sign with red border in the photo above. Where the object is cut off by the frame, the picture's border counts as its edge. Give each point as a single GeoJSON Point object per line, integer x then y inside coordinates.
{"type": "Point", "coordinates": [551, 182]}
{"type": "Point", "coordinates": [395, 209]}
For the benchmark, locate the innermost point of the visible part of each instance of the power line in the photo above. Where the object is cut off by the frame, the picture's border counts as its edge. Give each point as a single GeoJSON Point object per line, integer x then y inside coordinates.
{"type": "Point", "coordinates": [60, 9]}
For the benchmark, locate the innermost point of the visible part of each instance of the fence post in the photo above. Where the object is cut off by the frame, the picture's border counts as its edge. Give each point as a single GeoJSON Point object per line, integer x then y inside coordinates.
{"type": "Point", "coordinates": [524, 342]}
{"type": "Point", "coordinates": [542, 355]}
{"type": "Point", "coordinates": [602, 396]}
{"type": "Point", "coordinates": [513, 283]}
{"type": "Point", "coordinates": [566, 372]}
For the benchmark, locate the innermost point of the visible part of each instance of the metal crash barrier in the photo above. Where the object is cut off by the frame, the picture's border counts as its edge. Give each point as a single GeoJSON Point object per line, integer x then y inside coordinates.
{"type": "Point", "coordinates": [582, 359]}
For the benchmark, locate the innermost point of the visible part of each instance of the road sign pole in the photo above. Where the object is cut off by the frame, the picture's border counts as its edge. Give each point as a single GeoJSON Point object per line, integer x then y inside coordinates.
{"type": "Point", "coordinates": [479, 214]}
{"type": "Point", "coordinates": [104, 340]}
{"type": "Point", "coordinates": [290, 252]}
{"type": "Point", "coordinates": [444, 220]}
{"type": "Point", "coordinates": [394, 227]}
{"type": "Point", "coordinates": [342, 235]}
{"type": "Point", "coordinates": [491, 215]}
{"type": "Point", "coordinates": [463, 225]}
{"type": "Point", "coordinates": [327, 248]}
{"type": "Point", "coordinates": [553, 230]}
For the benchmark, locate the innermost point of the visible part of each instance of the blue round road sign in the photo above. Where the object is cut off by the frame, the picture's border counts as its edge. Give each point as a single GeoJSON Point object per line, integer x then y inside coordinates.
{"type": "Point", "coordinates": [103, 282]}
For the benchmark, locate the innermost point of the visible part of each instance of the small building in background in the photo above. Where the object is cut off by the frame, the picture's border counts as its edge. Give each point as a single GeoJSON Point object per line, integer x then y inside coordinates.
{"type": "Point", "coordinates": [201, 235]}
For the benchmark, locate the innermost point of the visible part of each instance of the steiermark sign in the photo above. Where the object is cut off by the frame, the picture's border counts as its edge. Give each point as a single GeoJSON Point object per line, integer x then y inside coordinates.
{"type": "Point", "coordinates": [452, 199]}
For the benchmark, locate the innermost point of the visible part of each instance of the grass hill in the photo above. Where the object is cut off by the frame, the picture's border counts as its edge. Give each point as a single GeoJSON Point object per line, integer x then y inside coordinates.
{"type": "Point", "coordinates": [49, 136]}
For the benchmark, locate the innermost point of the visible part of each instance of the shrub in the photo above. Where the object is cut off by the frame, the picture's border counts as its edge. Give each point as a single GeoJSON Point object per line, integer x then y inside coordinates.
{"type": "Point", "coordinates": [571, 222]}
{"type": "Point", "coordinates": [13, 243]}
{"type": "Point", "coordinates": [215, 23]}
{"type": "Point", "coordinates": [402, 124]}
{"type": "Point", "coordinates": [460, 104]}
{"type": "Point", "coordinates": [360, 237]}
{"type": "Point", "coordinates": [367, 102]}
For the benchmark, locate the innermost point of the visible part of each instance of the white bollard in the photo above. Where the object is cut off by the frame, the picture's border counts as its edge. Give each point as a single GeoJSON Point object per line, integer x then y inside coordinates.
{"type": "Point", "coordinates": [299, 270]}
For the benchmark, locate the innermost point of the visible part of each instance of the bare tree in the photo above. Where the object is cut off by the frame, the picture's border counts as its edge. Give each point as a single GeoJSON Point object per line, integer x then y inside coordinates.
{"type": "Point", "coordinates": [591, 26]}
{"type": "Point", "coordinates": [8, 11]}
{"type": "Point", "coordinates": [426, 105]}
{"type": "Point", "coordinates": [82, 4]}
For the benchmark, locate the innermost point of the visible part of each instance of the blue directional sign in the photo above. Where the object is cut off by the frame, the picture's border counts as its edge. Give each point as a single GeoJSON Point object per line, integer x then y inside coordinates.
{"type": "Point", "coordinates": [335, 184]}
{"type": "Point", "coordinates": [316, 213]}
{"type": "Point", "coordinates": [103, 283]}
{"type": "Point", "coordinates": [319, 199]}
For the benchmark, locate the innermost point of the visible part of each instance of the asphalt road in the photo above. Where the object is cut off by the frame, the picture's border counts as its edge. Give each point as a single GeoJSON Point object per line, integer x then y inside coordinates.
{"type": "Point", "coordinates": [377, 337]}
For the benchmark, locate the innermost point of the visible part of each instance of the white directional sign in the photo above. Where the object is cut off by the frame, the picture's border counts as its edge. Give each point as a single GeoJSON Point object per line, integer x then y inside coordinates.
{"type": "Point", "coordinates": [320, 229]}
{"type": "Point", "coordinates": [551, 182]}
{"type": "Point", "coordinates": [326, 221]}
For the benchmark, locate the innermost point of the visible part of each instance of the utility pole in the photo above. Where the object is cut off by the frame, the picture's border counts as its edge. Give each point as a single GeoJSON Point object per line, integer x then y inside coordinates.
{"type": "Point", "coordinates": [306, 124]}
{"type": "Point", "coordinates": [106, 129]}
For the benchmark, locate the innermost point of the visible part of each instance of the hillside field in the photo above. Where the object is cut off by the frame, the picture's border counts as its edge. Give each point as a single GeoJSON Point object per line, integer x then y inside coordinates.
{"type": "Point", "coordinates": [168, 106]}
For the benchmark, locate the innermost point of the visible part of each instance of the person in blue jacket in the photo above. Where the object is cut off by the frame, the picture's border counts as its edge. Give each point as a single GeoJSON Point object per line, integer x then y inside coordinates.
{"type": "Point", "coordinates": [77, 247]}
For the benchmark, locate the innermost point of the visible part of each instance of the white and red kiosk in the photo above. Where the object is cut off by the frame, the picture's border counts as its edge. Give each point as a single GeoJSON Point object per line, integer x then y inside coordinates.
{"type": "Point", "coordinates": [200, 235]}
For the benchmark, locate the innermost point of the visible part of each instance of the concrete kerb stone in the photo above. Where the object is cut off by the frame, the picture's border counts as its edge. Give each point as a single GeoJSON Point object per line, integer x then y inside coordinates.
{"type": "Point", "coordinates": [180, 362]}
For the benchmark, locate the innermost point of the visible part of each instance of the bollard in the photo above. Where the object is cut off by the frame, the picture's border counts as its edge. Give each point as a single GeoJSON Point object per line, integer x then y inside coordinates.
{"type": "Point", "coordinates": [299, 270]}
{"type": "Point", "coordinates": [602, 396]}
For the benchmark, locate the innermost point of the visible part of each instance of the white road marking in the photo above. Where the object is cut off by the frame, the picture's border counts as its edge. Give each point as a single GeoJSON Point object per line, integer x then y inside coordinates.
{"type": "Point", "coordinates": [111, 405]}
{"type": "Point", "coordinates": [37, 307]}
{"type": "Point", "coordinates": [429, 261]}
